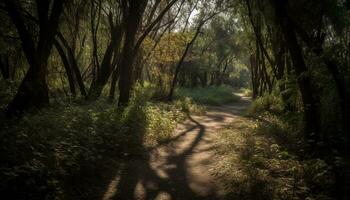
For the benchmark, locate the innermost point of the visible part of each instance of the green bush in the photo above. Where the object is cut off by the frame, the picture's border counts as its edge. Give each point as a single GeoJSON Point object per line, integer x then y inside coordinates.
{"type": "Point", "coordinates": [267, 103]}
{"type": "Point", "coordinates": [210, 95]}
{"type": "Point", "coordinates": [63, 151]}
{"type": "Point", "coordinates": [161, 121]}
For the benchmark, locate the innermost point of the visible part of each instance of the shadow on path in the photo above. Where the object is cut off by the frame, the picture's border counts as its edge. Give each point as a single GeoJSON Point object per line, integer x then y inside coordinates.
{"type": "Point", "coordinates": [179, 169]}
{"type": "Point", "coordinates": [141, 180]}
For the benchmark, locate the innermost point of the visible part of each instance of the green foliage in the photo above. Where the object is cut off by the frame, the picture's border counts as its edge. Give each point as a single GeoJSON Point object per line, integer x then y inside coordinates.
{"type": "Point", "coordinates": [256, 163]}
{"type": "Point", "coordinates": [161, 121]}
{"type": "Point", "coordinates": [210, 95]}
{"type": "Point", "coordinates": [267, 103]}
{"type": "Point", "coordinates": [313, 177]}
{"type": "Point", "coordinates": [66, 149]}
{"type": "Point", "coordinates": [188, 106]}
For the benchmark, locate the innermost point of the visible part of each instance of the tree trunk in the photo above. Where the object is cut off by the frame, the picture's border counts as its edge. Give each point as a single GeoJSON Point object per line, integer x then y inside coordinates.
{"type": "Point", "coordinates": [33, 91]}
{"type": "Point", "coordinates": [74, 65]}
{"type": "Point", "coordinates": [133, 20]}
{"type": "Point", "coordinates": [178, 66]}
{"type": "Point", "coordinates": [342, 92]}
{"type": "Point", "coordinates": [115, 77]}
{"type": "Point", "coordinates": [253, 74]}
{"type": "Point", "coordinates": [332, 67]}
{"type": "Point", "coordinates": [108, 63]}
{"type": "Point", "coordinates": [138, 68]}
{"type": "Point", "coordinates": [102, 75]}
{"type": "Point", "coordinates": [310, 101]}
{"type": "Point", "coordinates": [4, 68]}
{"type": "Point", "coordinates": [67, 67]}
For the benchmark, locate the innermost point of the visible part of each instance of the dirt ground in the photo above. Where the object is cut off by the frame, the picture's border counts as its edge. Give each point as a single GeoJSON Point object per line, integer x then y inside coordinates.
{"type": "Point", "coordinates": [180, 170]}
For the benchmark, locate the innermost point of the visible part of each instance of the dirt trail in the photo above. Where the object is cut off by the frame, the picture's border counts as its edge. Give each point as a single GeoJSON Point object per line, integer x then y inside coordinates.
{"type": "Point", "coordinates": [180, 170]}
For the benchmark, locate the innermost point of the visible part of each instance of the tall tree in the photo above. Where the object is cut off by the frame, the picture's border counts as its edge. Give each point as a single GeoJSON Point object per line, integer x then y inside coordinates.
{"type": "Point", "coordinates": [133, 18]}
{"type": "Point", "coordinates": [33, 91]}
{"type": "Point", "coordinates": [309, 97]}
{"type": "Point", "coordinates": [134, 12]}
{"type": "Point", "coordinates": [189, 45]}
{"type": "Point", "coordinates": [111, 56]}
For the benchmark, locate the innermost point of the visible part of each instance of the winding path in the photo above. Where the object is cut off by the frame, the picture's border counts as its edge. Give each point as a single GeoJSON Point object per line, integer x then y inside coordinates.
{"type": "Point", "coordinates": [180, 170]}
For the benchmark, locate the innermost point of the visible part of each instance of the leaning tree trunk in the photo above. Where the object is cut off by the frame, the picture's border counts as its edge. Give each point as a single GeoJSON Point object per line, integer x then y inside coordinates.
{"type": "Point", "coordinates": [74, 65]}
{"type": "Point", "coordinates": [108, 63]}
{"type": "Point", "coordinates": [102, 75]}
{"type": "Point", "coordinates": [67, 67]}
{"type": "Point", "coordinates": [178, 66]}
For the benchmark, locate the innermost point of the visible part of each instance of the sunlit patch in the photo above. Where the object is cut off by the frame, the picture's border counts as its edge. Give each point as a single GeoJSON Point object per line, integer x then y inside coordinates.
{"type": "Point", "coordinates": [163, 196]}
{"type": "Point", "coordinates": [111, 189]}
{"type": "Point", "coordinates": [140, 191]}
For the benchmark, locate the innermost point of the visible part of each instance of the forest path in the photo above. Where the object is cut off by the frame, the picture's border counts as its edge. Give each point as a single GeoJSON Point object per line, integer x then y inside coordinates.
{"type": "Point", "coordinates": [180, 170]}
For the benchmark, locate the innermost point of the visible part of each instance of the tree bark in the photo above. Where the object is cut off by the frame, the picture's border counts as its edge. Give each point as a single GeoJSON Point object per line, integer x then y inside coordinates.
{"type": "Point", "coordinates": [115, 77]}
{"type": "Point", "coordinates": [132, 23]}
{"type": "Point", "coordinates": [332, 67]}
{"type": "Point", "coordinates": [309, 98]}
{"type": "Point", "coordinates": [74, 65]}
{"type": "Point", "coordinates": [108, 62]}
{"type": "Point", "coordinates": [67, 67]}
{"type": "Point", "coordinates": [33, 91]}
{"type": "Point", "coordinates": [4, 68]}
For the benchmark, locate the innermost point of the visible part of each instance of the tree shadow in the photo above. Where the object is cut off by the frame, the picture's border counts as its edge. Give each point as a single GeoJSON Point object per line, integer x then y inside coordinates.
{"type": "Point", "coordinates": [173, 181]}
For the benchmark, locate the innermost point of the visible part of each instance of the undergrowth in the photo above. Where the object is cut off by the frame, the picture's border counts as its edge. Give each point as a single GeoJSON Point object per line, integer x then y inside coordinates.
{"type": "Point", "coordinates": [254, 165]}
{"type": "Point", "coordinates": [215, 95]}
{"type": "Point", "coordinates": [263, 156]}
{"type": "Point", "coordinates": [66, 151]}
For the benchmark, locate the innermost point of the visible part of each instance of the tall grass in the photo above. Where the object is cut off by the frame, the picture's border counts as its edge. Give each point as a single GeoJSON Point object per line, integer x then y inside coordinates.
{"type": "Point", "coordinates": [209, 95]}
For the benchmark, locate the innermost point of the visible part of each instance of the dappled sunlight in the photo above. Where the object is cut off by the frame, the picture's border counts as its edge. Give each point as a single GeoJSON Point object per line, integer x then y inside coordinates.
{"type": "Point", "coordinates": [174, 99]}
{"type": "Point", "coordinates": [180, 168]}
{"type": "Point", "coordinates": [112, 188]}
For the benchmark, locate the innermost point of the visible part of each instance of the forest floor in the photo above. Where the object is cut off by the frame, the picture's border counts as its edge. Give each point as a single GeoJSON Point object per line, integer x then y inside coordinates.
{"type": "Point", "coordinates": [182, 169]}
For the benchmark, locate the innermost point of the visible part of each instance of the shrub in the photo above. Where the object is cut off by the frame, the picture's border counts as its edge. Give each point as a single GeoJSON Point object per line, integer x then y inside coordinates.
{"type": "Point", "coordinates": [267, 103]}
{"type": "Point", "coordinates": [161, 121]}
{"type": "Point", "coordinates": [64, 151]}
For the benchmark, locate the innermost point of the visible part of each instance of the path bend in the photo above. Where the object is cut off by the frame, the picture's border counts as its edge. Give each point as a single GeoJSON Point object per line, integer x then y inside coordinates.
{"type": "Point", "coordinates": [180, 170]}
